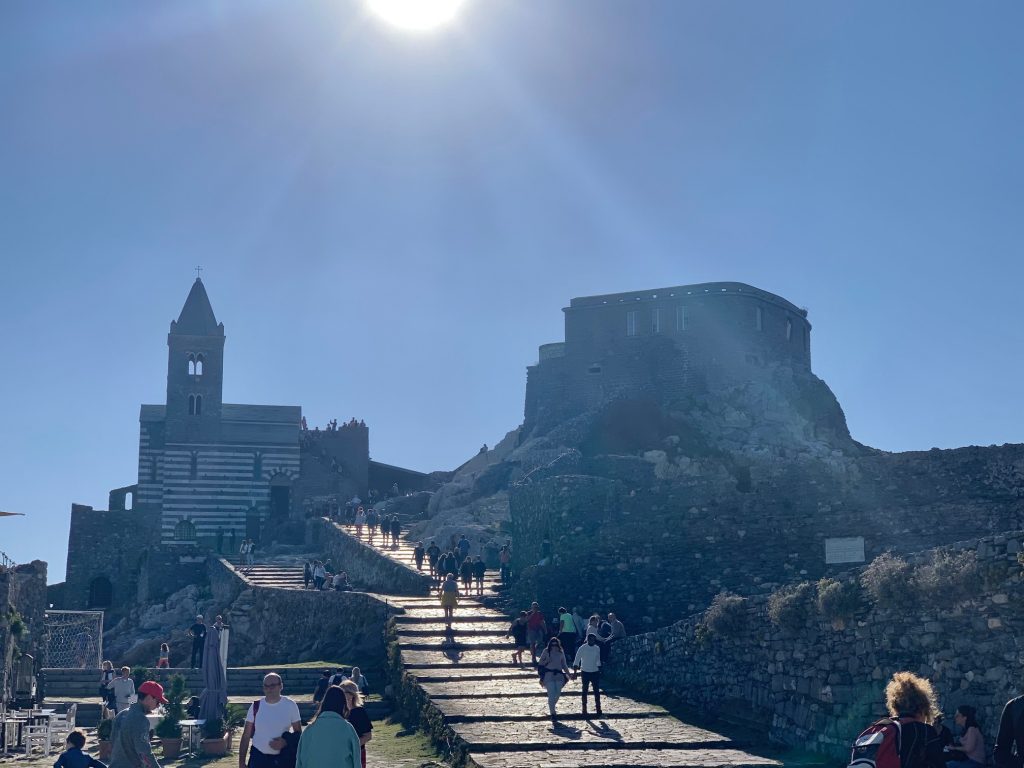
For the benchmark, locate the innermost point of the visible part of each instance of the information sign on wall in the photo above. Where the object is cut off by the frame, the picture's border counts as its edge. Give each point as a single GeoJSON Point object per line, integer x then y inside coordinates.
{"type": "Point", "coordinates": [844, 550]}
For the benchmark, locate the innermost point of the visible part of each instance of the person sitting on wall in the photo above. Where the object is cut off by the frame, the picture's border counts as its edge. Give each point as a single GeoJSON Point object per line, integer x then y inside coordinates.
{"type": "Point", "coordinates": [970, 751]}
{"type": "Point", "coordinates": [341, 583]}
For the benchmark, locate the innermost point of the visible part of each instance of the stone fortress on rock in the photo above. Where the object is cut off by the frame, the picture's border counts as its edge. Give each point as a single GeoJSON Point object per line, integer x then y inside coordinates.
{"type": "Point", "coordinates": [675, 444]}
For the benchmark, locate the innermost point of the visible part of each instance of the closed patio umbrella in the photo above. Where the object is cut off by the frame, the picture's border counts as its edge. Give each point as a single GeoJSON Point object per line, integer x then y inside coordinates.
{"type": "Point", "coordinates": [214, 698]}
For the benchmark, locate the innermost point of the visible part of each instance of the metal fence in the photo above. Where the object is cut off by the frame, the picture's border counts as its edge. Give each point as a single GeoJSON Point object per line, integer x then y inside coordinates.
{"type": "Point", "coordinates": [73, 639]}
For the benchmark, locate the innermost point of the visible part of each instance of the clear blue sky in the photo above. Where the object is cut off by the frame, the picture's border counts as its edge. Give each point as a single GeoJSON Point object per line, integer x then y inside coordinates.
{"type": "Point", "coordinates": [390, 224]}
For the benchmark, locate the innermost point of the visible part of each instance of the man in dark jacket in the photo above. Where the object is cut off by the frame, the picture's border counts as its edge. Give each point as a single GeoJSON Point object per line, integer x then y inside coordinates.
{"type": "Point", "coordinates": [1009, 751]}
{"type": "Point", "coordinates": [129, 735]}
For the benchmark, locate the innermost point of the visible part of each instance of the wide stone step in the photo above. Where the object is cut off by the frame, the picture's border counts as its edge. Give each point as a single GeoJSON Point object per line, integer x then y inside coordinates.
{"type": "Point", "coordinates": [498, 708]}
{"type": "Point", "coordinates": [646, 732]}
{"type": "Point", "coordinates": [568, 757]}
{"type": "Point", "coordinates": [463, 644]}
{"type": "Point", "coordinates": [495, 628]}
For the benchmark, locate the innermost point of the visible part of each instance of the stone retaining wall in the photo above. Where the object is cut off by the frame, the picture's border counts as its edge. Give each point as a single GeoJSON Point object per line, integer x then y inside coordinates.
{"type": "Point", "coordinates": [816, 686]}
{"type": "Point", "coordinates": [362, 563]}
{"type": "Point", "coordinates": [274, 626]}
{"type": "Point", "coordinates": [22, 595]}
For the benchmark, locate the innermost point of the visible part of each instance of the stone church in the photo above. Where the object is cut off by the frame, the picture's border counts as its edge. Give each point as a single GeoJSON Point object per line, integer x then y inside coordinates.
{"type": "Point", "coordinates": [210, 474]}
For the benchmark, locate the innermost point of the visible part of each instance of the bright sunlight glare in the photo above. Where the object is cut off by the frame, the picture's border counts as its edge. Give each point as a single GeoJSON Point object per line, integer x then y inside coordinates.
{"type": "Point", "coordinates": [417, 15]}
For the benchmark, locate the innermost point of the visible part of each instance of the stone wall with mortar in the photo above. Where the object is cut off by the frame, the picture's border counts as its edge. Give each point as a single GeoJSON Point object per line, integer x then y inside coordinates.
{"type": "Point", "coordinates": [815, 685]}
{"type": "Point", "coordinates": [274, 626]}
{"type": "Point", "coordinates": [363, 563]}
{"type": "Point", "coordinates": [654, 537]}
{"type": "Point", "coordinates": [22, 595]}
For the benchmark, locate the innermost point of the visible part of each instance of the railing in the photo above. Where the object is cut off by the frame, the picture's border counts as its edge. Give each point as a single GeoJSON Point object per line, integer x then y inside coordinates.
{"type": "Point", "coordinates": [6, 562]}
{"type": "Point", "coordinates": [527, 477]}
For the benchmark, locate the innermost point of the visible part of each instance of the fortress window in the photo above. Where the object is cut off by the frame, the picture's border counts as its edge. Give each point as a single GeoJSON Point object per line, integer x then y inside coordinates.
{"type": "Point", "coordinates": [655, 321]}
{"type": "Point", "coordinates": [759, 318]}
{"type": "Point", "coordinates": [680, 318]}
{"type": "Point", "coordinates": [193, 466]}
{"type": "Point", "coordinates": [191, 405]}
{"type": "Point", "coordinates": [185, 530]}
{"type": "Point", "coordinates": [257, 465]}
{"type": "Point", "coordinates": [152, 469]}
{"type": "Point", "coordinates": [191, 365]}
{"type": "Point", "coordinates": [199, 365]}
{"type": "Point", "coordinates": [631, 323]}
{"type": "Point", "coordinates": [199, 405]}
{"type": "Point", "coordinates": [594, 368]}
{"type": "Point", "coordinates": [789, 330]}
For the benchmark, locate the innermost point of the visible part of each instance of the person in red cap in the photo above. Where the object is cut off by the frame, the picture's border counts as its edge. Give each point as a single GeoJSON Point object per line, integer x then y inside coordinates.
{"type": "Point", "coordinates": [129, 736]}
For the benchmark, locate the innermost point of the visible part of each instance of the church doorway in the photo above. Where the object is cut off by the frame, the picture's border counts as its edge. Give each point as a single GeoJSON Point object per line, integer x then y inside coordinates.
{"type": "Point", "coordinates": [280, 497]}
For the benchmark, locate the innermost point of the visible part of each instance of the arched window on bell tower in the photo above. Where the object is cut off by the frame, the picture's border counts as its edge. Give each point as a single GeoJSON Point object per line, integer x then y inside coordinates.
{"type": "Point", "coordinates": [191, 365]}
{"type": "Point", "coordinates": [191, 405]}
{"type": "Point", "coordinates": [199, 365]}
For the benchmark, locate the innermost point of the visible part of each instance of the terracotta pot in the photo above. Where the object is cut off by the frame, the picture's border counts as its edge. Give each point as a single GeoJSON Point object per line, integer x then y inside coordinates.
{"type": "Point", "coordinates": [172, 748]}
{"type": "Point", "coordinates": [215, 746]}
{"type": "Point", "coordinates": [105, 749]}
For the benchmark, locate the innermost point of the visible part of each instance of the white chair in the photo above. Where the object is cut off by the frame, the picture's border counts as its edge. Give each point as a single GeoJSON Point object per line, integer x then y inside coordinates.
{"type": "Point", "coordinates": [61, 727]}
{"type": "Point", "coordinates": [36, 734]}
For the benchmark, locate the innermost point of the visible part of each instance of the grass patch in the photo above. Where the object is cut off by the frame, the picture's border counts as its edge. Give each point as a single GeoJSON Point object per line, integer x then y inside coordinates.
{"type": "Point", "coordinates": [297, 665]}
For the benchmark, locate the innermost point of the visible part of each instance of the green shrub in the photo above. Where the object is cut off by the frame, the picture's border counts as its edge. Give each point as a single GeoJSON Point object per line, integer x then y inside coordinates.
{"type": "Point", "coordinates": [235, 717]}
{"type": "Point", "coordinates": [140, 675]}
{"type": "Point", "coordinates": [725, 616]}
{"type": "Point", "coordinates": [174, 711]}
{"type": "Point", "coordinates": [889, 581]}
{"type": "Point", "coordinates": [213, 728]}
{"type": "Point", "coordinates": [837, 600]}
{"type": "Point", "coordinates": [948, 578]}
{"type": "Point", "coordinates": [789, 607]}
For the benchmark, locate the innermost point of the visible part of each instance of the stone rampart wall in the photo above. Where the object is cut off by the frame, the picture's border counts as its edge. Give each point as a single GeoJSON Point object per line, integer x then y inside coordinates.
{"type": "Point", "coordinates": [671, 530]}
{"type": "Point", "coordinates": [815, 685]}
{"type": "Point", "coordinates": [363, 563]}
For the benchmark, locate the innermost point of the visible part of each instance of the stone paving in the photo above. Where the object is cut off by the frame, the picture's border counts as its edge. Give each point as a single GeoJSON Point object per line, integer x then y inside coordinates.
{"type": "Point", "coordinates": [498, 711]}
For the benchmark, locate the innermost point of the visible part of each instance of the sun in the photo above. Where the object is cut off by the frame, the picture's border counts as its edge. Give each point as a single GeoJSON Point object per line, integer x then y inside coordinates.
{"type": "Point", "coordinates": [416, 15]}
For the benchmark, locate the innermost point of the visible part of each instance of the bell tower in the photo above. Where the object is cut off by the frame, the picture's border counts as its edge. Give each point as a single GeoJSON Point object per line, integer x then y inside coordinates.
{"type": "Point", "coordinates": [195, 371]}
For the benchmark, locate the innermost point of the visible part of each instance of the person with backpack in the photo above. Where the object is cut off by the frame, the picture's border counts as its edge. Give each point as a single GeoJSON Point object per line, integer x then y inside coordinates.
{"type": "Point", "coordinates": [1009, 749]}
{"type": "Point", "coordinates": [449, 597]}
{"type": "Point", "coordinates": [905, 739]}
{"type": "Point", "coordinates": [266, 723]}
{"type": "Point", "coordinates": [970, 751]}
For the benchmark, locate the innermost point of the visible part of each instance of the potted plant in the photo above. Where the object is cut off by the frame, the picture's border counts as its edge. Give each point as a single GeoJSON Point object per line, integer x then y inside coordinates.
{"type": "Point", "coordinates": [234, 719]}
{"type": "Point", "coordinates": [103, 737]}
{"type": "Point", "coordinates": [168, 730]}
{"type": "Point", "coordinates": [215, 737]}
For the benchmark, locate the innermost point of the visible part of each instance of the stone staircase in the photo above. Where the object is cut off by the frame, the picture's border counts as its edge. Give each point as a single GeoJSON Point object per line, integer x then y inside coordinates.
{"type": "Point", "coordinates": [280, 575]}
{"type": "Point", "coordinates": [64, 687]}
{"type": "Point", "coordinates": [493, 713]}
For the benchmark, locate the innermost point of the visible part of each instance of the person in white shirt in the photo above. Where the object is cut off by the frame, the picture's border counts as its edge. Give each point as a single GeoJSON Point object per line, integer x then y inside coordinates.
{"type": "Point", "coordinates": [266, 722]}
{"type": "Point", "coordinates": [124, 690]}
{"type": "Point", "coordinates": [588, 661]}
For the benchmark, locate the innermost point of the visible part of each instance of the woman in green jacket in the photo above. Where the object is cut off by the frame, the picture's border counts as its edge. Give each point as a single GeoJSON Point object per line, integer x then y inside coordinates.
{"type": "Point", "coordinates": [329, 741]}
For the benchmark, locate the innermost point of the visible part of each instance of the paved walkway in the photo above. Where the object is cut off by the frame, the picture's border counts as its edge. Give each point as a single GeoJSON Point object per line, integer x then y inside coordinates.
{"type": "Point", "coordinates": [499, 710]}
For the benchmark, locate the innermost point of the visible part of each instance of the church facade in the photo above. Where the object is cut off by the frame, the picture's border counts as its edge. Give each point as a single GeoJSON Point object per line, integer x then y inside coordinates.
{"type": "Point", "coordinates": [210, 474]}
{"type": "Point", "coordinates": [213, 469]}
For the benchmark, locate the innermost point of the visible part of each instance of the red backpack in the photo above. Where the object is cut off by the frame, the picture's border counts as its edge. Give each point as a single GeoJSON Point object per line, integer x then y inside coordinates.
{"type": "Point", "coordinates": [878, 745]}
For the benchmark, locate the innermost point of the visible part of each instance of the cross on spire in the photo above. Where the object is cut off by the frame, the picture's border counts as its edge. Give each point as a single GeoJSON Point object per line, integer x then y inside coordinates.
{"type": "Point", "coordinates": [198, 270]}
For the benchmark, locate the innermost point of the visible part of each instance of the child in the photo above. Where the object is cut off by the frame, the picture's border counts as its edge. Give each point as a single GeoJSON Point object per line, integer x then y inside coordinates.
{"type": "Point", "coordinates": [165, 657]}
{"type": "Point", "coordinates": [74, 757]}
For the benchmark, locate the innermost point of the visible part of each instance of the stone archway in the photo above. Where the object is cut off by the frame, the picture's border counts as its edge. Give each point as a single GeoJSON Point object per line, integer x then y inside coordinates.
{"type": "Point", "coordinates": [280, 496]}
{"type": "Point", "coordinates": [101, 592]}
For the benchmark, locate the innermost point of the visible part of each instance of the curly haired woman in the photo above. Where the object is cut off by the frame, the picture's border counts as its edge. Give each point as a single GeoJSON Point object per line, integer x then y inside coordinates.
{"type": "Point", "coordinates": [911, 700]}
